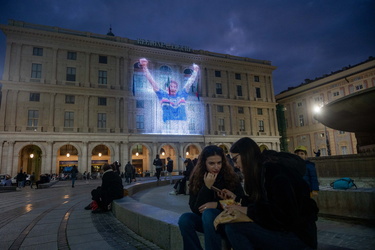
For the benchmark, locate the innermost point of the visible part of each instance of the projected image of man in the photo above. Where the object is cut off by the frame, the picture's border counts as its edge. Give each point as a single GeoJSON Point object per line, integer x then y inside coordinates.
{"type": "Point", "coordinates": [173, 100]}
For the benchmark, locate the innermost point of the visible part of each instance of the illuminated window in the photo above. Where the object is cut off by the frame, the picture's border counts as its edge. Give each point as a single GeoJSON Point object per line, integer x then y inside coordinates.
{"type": "Point", "coordinates": [36, 70]}
{"type": "Point", "coordinates": [34, 97]}
{"type": "Point", "coordinates": [72, 55]}
{"type": "Point", "coordinates": [260, 111]}
{"type": "Point", "coordinates": [102, 120]}
{"type": "Point", "coordinates": [70, 74]}
{"type": "Point", "coordinates": [219, 89]}
{"type": "Point", "coordinates": [32, 118]}
{"type": "Point", "coordinates": [102, 101]}
{"type": "Point", "coordinates": [261, 126]}
{"type": "Point", "coordinates": [140, 104]}
{"type": "Point", "coordinates": [237, 76]}
{"type": "Point", "coordinates": [256, 78]}
{"type": "Point", "coordinates": [69, 99]}
{"type": "Point", "coordinates": [37, 51]}
{"type": "Point", "coordinates": [301, 121]}
{"type": "Point", "coordinates": [241, 110]}
{"type": "Point", "coordinates": [217, 73]}
{"type": "Point", "coordinates": [140, 122]}
{"type": "Point", "coordinates": [239, 90]}
{"type": "Point", "coordinates": [221, 125]}
{"type": "Point", "coordinates": [242, 125]}
{"type": "Point", "coordinates": [69, 119]}
{"type": "Point", "coordinates": [257, 92]}
{"type": "Point", "coordinates": [220, 109]}
{"type": "Point", "coordinates": [102, 78]}
{"type": "Point", "coordinates": [103, 59]}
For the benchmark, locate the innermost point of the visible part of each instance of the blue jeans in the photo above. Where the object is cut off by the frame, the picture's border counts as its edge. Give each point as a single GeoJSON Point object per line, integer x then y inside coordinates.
{"type": "Point", "coordinates": [249, 235]}
{"type": "Point", "coordinates": [191, 223]}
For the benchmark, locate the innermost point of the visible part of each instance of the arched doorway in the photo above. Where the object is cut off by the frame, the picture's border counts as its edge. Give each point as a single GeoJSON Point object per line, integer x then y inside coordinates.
{"type": "Point", "coordinates": [100, 155]}
{"type": "Point", "coordinates": [31, 160]}
{"type": "Point", "coordinates": [139, 155]}
{"type": "Point", "coordinates": [263, 147]}
{"type": "Point", "coordinates": [68, 157]}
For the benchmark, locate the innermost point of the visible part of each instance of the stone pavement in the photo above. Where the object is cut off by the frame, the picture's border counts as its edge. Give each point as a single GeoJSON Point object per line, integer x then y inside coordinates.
{"type": "Point", "coordinates": [54, 218]}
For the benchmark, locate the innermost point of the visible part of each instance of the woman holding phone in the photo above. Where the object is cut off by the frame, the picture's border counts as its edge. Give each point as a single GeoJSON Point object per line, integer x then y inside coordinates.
{"type": "Point", "coordinates": [278, 201]}
{"type": "Point", "coordinates": [212, 170]}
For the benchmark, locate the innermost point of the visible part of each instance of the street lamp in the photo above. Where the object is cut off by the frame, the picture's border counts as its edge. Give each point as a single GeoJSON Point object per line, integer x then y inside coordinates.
{"type": "Point", "coordinates": [317, 110]}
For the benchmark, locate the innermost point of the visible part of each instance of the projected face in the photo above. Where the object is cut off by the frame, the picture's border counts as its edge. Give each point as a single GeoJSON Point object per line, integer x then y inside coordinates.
{"type": "Point", "coordinates": [172, 89]}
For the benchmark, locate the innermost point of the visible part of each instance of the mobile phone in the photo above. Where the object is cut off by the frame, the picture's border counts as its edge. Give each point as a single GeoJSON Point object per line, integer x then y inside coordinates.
{"type": "Point", "coordinates": [215, 189]}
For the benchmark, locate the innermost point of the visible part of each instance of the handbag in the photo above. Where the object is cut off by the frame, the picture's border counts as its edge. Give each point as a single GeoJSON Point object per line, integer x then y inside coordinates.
{"type": "Point", "coordinates": [231, 217]}
{"type": "Point", "coordinates": [343, 183]}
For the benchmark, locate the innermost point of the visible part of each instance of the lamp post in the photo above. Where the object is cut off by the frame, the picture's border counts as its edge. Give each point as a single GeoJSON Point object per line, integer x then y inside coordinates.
{"type": "Point", "coordinates": [317, 110]}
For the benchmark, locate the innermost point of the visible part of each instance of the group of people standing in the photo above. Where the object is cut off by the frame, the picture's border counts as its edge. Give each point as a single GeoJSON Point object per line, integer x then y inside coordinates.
{"type": "Point", "coordinates": [274, 196]}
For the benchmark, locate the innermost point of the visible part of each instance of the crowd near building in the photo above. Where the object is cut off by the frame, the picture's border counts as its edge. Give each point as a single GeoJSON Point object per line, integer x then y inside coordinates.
{"type": "Point", "coordinates": [76, 98]}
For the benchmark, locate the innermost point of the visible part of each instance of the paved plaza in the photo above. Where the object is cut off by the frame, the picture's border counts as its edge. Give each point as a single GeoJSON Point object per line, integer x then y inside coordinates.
{"type": "Point", "coordinates": [54, 218]}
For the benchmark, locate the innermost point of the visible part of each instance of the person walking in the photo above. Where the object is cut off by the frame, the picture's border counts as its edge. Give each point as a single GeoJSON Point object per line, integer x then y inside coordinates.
{"type": "Point", "coordinates": [32, 179]}
{"type": "Point", "coordinates": [158, 166]}
{"type": "Point", "coordinates": [169, 169]}
{"type": "Point", "coordinates": [74, 174]}
{"type": "Point", "coordinates": [129, 170]}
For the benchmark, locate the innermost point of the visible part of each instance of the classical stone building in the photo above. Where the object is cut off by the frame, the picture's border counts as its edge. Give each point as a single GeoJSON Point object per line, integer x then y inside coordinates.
{"type": "Point", "coordinates": [77, 98]}
{"type": "Point", "coordinates": [297, 107]}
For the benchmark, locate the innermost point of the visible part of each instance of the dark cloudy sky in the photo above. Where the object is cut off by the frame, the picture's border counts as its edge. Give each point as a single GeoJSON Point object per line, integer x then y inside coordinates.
{"type": "Point", "coordinates": [303, 39]}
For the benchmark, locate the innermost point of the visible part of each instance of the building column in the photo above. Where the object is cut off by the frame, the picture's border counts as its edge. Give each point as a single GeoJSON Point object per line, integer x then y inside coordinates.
{"type": "Point", "coordinates": [2, 166]}
{"type": "Point", "coordinates": [3, 108]}
{"type": "Point", "coordinates": [54, 67]}
{"type": "Point", "coordinates": [13, 111]}
{"type": "Point", "coordinates": [117, 115]}
{"type": "Point", "coordinates": [51, 122]}
{"type": "Point", "coordinates": [9, 163]}
{"type": "Point", "coordinates": [125, 157]}
{"type": "Point", "coordinates": [84, 160]}
{"type": "Point", "coordinates": [47, 164]}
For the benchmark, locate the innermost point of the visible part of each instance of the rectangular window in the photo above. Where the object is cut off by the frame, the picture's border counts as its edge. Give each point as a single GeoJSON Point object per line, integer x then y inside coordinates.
{"type": "Point", "coordinates": [32, 118]}
{"type": "Point", "coordinates": [237, 76]}
{"type": "Point", "coordinates": [37, 51]}
{"type": "Point", "coordinates": [301, 121]}
{"type": "Point", "coordinates": [34, 97]}
{"type": "Point", "coordinates": [102, 101]}
{"type": "Point", "coordinates": [359, 87]}
{"type": "Point", "coordinates": [261, 126]}
{"type": "Point", "coordinates": [219, 89]}
{"type": "Point", "coordinates": [239, 90]}
{"type": "Point", "coordinates": [221, 126]}
{"type": "Point", "coordinates": [217, 73]}
{"type": "Point", "coordinates": [337, 93]}
{"type": "Point", "coordinates": [341, 132]}
{"type": "Point", "coordinates": [71, 74]}
{"type": "Point", "coordinates": [71, 55]}
{"type": "Point", "coordinates": [140, 104]}
{"type": "Point", "coordinates": [140, 122]}
{"type": "Point", "coordinates": [241, 110]}
{"type": "Point", "coordinates": [69, 99]}
{"type": "Point", "coordinates": [103, 59]}
{"type": "Point", "coordinates": [257, 92]}
{"type": "Point", "coordinates": [242, 125]}
{"type": "Point", "coordinates": [36, 70]}
{"type": "Point", "coordinates": [260, 111]}
{"type": "Point", "coordinates": [299, 104]}
{"type": "Point", "coordinates": [344, 150]}
{"type": "Point", "coordinates": [102, 120]}
{"type": "Point", "coordinates": [256, 78]}
{"type": "Point", "coordinates": [69, 119]}
{"type": "Point", "coordinates": [102, 79]}
{"type": "Point", "coordinates": [220, 109]}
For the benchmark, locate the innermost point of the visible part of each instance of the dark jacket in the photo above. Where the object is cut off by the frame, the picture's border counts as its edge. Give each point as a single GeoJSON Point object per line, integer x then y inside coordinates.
{"type": "Point", "coordinates": [207, 195]}
{"type": "Point", "coordinates": [111, 187]}
{"type": "Point", "coordinates": [311, 177]}
{"type": "Point", "coordinates": [170, 166]}
{"type": "Point", "coordinates": [285, 204]}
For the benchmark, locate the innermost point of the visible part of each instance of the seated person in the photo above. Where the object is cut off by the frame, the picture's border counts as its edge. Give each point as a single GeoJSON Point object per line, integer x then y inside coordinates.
{"type": "Point", "coordinates": [111, 189]}
{"type": "Point", "coordinates": [180, 185]}
{"type": "Point", "coordinates": [43, 179]}
{"type": "Point", "coordinates": [7, 181]}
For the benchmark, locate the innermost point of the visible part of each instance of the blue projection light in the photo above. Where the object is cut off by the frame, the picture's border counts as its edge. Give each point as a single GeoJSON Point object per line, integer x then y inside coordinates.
{"type": "Point", "coordinates": [164, 106]}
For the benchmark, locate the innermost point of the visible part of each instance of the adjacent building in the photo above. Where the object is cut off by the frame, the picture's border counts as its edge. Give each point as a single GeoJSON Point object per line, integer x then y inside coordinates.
{"type": "Point", "coordinates": [297, 106]}
{"type": "Point", "coordinates": [78, 98]}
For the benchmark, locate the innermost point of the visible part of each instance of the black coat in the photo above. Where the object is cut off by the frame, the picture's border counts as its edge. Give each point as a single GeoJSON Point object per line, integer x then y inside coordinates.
{"type": "Point", "coordinates": [111, 187]}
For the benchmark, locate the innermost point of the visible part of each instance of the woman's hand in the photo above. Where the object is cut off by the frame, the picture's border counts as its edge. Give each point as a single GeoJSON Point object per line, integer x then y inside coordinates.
{"type": "Point", "coordinates": [236, 207]}
{"type": "Point", "coordinates": [143, 62]}
{"type": "Point", "coordinates": [209, 179]}
{"type": "Point", "coordinates": [195, 67]}
{"type": "Point", "coordinates": [207, 205]}
{"type": "Point", "coordinates": [225, 194]}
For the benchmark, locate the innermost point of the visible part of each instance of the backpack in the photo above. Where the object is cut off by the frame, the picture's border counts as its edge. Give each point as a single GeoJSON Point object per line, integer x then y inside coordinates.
{"type": "Point", "coordinates": [343, 183]}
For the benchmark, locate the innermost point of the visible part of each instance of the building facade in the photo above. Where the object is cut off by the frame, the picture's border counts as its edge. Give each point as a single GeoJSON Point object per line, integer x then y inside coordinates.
{"type": "Point", "coordinates": [78, 98]}
{"type": "Point", "coordinates": [297, 107]}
